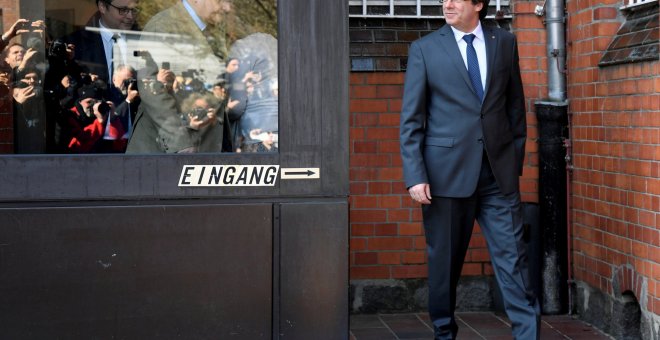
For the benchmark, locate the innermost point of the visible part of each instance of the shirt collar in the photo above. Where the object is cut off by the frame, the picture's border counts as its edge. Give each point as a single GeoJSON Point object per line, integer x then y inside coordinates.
{"type": "Point", "coordinates": [478, 33]}
{"type": "Point", "coordinates": [198, 21]}
{"type": "Point", "coordinates": [106, 33]}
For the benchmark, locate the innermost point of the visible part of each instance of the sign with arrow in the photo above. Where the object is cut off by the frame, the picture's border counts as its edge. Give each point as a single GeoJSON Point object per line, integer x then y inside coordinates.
{"type": "Point", "coordinates": [299, 173]}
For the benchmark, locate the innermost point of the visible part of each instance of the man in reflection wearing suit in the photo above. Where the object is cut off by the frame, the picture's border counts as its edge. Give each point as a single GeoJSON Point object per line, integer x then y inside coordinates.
{"type": "Point", "coordinates": [463, 132]}
{"type": "Point", "coordinates": [94, 44]}
{"type": "Point", "coordinates": [193, 28]}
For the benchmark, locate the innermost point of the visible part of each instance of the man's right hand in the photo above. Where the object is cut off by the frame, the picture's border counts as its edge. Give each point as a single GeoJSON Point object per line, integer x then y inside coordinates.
{"type": "Point", "coordinates": [421, 193]}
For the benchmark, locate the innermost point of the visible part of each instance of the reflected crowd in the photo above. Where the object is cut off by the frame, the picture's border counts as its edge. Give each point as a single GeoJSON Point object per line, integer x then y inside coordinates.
{"type": "Point", "coordinates": [184, 83]}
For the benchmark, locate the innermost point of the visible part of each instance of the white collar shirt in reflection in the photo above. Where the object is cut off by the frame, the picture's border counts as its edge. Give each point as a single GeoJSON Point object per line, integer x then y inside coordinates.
{"type": "Point", "coordinates": [108, 46]}
{"type": "Point", "coordinates": [198, 21]}
{"type": "Point", "coordinates": [479, 44]}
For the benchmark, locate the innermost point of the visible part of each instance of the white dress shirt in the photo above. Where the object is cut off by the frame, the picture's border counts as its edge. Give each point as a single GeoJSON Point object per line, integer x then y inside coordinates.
{"type": "Point", "coordinates": [479, 44]}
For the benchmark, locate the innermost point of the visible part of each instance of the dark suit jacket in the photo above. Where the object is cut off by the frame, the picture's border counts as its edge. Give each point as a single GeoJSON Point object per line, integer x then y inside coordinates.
{"type": "Point", "coordinates": [90, 53]}
{"type": "Point", "coordinates": [444, 128]}
{"type": "Point", "coordinates": [158, 125]}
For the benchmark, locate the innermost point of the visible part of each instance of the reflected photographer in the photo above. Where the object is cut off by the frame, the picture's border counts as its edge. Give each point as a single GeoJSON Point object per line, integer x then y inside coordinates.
{"type": "Point", "coordinates": [29, 115]}
{"type": "Point", "coordinates": [87, 122]}
{"type": "Point", "coordinates": [194, 35]}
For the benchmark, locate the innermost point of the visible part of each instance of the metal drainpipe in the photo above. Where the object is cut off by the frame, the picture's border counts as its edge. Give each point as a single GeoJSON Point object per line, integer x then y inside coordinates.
{"type": "Point", "coordinates": [556, 50]}
{"type": "Point", "coordinates": [555, 26]}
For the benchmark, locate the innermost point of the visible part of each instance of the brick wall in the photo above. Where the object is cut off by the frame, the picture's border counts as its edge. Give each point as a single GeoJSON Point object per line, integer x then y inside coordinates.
{"type": "Point", "coordinates": [615, 137]}
{"type": "Point", "coordinates": [616, 176]}
{"type": "Point", "coordinates": [9, 17]}
{"type": "Point", "coordinates": [387, 237]}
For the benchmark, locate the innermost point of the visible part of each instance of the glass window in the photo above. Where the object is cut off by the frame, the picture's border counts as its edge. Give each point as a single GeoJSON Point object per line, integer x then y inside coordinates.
{"type": "Point", "coordinates": [139, 77]}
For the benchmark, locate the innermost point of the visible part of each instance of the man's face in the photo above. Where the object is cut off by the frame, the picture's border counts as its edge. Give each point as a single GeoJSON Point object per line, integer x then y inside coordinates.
{"type": "Point", "coordinates": [112, 16]}
{"type": "Point", "coordinates": [213, 11]}
{"type": "Point", "coordinates": [31, 79]}
{"type": "Point", "coordinates": [462, 14]}
{"type": "Point", "coordinates": [121, 75]}
{"type": "Point", "coordinates": [232, 66]}
{"type": "Point", "coordinates": [219, 92]}
{"type": "Point", "coordinates": [88, 105]}
{"type": "Point", "coordinates": [201, 104]}
{"type": "Point", "coordinates": [15, 55]}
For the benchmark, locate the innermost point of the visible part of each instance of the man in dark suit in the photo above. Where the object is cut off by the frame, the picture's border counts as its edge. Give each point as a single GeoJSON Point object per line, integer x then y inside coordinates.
{"type": "Point", "coordinates": [95, 43]}
{"type": "Point", "coordinates": [463, 132]}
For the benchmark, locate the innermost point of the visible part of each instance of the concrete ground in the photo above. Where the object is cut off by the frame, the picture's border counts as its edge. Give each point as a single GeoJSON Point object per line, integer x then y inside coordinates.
{"type": "Point", "coordinates": [472, 325]}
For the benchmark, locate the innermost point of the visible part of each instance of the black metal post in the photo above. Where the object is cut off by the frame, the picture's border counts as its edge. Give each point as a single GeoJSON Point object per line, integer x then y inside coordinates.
{"type": "Point", "coordinates": [553, 129]}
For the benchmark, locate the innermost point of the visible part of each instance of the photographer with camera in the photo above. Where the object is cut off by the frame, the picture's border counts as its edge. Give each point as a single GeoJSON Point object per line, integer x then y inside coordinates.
{"type": "Point", "coordinates": [29, 115]}
{"type": "Point", "coordinates": [126, 98]}
{"type": "Point", "coordinates": [63, 79]}
{"type": "Point", "coordinates": [159, 127]}
{"type": "Point", "coordinates": [15, 54]}
{"type": "Point", "coordinates": [204, 126]}
{"type": "Point", "coordinates": [87, 122]}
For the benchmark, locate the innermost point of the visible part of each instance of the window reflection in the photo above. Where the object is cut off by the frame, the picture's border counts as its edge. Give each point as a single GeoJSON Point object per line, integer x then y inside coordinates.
{"type": "Point", "coordinates": [140, 77]}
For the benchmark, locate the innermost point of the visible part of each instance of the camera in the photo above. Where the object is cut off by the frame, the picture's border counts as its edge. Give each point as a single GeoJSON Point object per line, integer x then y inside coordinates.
{"type": "Point", "coordinates": [104, 108]}
{"type": "Point", "coordinates": [199, 113]}
{"type": "Point", "coordinates": [129, 83]}
{"type": "Point", "coordinates": [57, 49]}
{"type": "Point", "coordinates": [23, 25]}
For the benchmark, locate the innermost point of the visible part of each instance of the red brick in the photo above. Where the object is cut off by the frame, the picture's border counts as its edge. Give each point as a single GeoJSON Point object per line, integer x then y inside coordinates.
{"type": "Point", "coordinates": [385, 146]}
{"type": "Point", "coordinates": [358, 188]}
{"type": "Point", "coordinates": [363, 92]}
{"type": "Point", "coordinates": [398, 215]}
{"type": "Point", "coordinates": [365, 119]}
{"type": "Point", "coordinates": [362, 229]}
{"type": "Point", "coordinates": [389, 258]}
{"type": "Point", "coordinates": [416, 257]}
{"type": "Point", "coordinates": [472, 269]}
{"type": "Point", "coordinates": [385, 78]}
{"type": "Point", "coordinates": [389, 91]}
{"type": "Point", "coordinates": [383, 133]}
{"type": "Point", "coordinates": [368, 105]}
{"type": "Point", "coordinates": [389, 202]}
{"type": "Point", "coordinates": [370, 272]}
{"type": "Point", "coordinates": [379, 188]}
{"type": "Point", "coordinates": [364, 202]}
{"type": "Point", "coordinates": [374, 216]}
{"type": "Point", "coordinates": [410, 271]}
{"type": "Point", "coordinates": [390, 174]}
{"type": "Point", "coordinates": [389, 119]}
{"type": "Point", "coordinates": [386, 229]}
{"type": "Point", "coordinates": [390, 243]}
{"type": "Point", "coordinates": [366, 258]}
{"type": "Point", "coordinates": [357, 244]}
{"type": "Point", "coordinates": [410, 229]}
{"type": "Point", "coordinates": [370, 160]}
{"type": "Point", "coordinates": [365, 147]}
{"type": "Point", "coordinates": [363, 174]}
{"type": "Point", "coordinates": [479, 255]}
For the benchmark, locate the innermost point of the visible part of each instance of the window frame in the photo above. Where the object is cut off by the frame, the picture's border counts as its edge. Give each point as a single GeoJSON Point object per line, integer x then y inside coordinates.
{"type": "Point", "coordinates": [313, 120]}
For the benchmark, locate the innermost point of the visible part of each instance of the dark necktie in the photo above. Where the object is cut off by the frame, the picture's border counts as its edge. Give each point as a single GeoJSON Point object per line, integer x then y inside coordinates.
{"type": "Point", "coordinates": [112, 58]}
{"type": "Point", "coordinates": [473, 66]}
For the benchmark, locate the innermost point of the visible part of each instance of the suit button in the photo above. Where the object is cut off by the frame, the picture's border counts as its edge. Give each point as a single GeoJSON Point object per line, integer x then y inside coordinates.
{"type": "Point", "coordinates": [482, 116]}
{"type": "Point", "coordinates": [480, 140]}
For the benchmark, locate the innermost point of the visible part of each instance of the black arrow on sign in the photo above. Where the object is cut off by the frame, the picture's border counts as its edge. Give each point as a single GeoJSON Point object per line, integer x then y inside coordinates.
{"type": "Point", "coordinates": [308, 173]}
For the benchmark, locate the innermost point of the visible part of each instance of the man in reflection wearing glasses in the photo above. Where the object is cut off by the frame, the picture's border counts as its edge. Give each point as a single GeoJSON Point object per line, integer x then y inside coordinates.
{"type": "Point", "coordinates": [463, 134]}
{"type": "Point", "coordinates": [192, 28]}
{"type": "Point", "coordinates": [96, 44]}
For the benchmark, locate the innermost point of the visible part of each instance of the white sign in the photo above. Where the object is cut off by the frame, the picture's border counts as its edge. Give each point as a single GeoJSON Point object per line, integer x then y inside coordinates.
{"type": "Point", "coordinates": [228, 175]}
{"type": "Point", "coordinates": [300, 173]}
